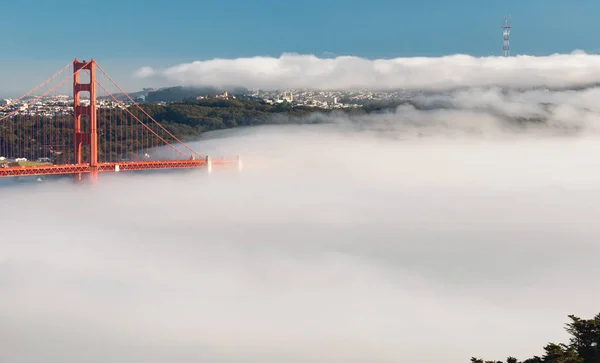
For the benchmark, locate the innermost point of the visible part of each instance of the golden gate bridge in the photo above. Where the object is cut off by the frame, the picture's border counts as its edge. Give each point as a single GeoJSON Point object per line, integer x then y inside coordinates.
{"type": "Point", "coordinates": [45, 133]}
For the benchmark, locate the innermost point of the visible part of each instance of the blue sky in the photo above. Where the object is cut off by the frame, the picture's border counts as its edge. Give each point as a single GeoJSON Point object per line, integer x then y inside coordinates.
{"type": "Point", "coordinates": [40, 36]}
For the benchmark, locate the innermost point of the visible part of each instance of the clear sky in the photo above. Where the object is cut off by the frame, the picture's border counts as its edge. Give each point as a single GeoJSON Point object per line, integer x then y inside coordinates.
{"type": "Point", "coordinates": [39, 36]}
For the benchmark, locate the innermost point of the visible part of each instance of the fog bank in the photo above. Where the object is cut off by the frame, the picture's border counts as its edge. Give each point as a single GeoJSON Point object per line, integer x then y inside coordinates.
{"type": "Point", "coordinates": [351, 72]}
{"type": "Point", "coordinates": [414, 236]}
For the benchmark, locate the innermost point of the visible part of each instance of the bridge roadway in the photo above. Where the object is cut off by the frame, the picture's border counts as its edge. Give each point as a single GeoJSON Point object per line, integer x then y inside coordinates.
{"type": "Point", "coordinates": [106, 167]}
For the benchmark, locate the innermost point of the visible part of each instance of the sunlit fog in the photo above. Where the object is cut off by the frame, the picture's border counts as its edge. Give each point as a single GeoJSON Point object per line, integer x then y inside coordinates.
{"type": "Point", "coordinates": [427, 234]}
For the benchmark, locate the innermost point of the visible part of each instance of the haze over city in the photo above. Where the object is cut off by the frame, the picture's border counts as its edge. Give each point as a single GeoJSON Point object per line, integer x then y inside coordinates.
{"type": "Point", "coordinates": [404, 192]}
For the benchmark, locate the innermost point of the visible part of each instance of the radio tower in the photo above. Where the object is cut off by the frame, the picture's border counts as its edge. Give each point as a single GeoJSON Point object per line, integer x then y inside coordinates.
{"type": "Point", "coordinates": [506, 34]}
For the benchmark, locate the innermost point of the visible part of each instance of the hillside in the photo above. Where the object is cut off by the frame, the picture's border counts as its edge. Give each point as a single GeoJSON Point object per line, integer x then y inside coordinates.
{"type": "Point", "coordinates": [190, 119]}
{"type": "Point", "coordinates": [185, 120]}
{"type": "Point", "coordinates": [180, 93]}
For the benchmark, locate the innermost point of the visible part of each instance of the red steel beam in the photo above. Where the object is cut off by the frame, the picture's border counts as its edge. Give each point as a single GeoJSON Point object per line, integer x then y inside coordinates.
{"type": "Point", "coordinates": [14, 171]}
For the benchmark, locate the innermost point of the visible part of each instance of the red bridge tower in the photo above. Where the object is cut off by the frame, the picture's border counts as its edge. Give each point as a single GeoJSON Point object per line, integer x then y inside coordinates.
{"type": "Point", "coordinates": [90, 136]}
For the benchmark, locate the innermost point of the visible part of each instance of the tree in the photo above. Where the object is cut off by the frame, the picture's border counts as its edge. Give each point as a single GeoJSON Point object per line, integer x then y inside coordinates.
{"type": "Point", "coordinates": [560, 353]}
{"type": "Point", "coordinates": [585, 337]}
{"type": "Point", "coordinates": [535, 359]}
{"type": "Point", "coordinates": [583, 347]}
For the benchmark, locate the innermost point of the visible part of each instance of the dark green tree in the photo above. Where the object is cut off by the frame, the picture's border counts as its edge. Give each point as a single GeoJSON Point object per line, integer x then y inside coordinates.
{"type": "Point", "coordinates": [585, 337]}
{"type": "Point", "coordinates": [583, 347]}
{"type": "Point", "coordinates": [535, 359]}
{"type": "Point", "coordinates": [560, 353]}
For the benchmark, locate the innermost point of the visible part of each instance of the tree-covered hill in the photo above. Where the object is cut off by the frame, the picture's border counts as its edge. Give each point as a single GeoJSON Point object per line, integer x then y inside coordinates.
{"type": "Point", "coordinates": [32, 137]}
{"type": "Point", "coordinates": [181, 93]}
{"type": "Point", "coordinates": [190, 119]}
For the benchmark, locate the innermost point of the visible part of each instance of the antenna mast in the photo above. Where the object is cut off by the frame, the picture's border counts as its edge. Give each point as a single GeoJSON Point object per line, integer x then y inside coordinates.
{"type": "Point", "coordinates": [506, 34]}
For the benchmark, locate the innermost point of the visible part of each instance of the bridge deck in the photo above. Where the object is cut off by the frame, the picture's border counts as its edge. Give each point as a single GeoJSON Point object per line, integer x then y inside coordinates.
{"type": "Point", "coordinates": [105, 167]}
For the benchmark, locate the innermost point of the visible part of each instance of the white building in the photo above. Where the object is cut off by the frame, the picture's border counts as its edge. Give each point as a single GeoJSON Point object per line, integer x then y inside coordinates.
{"type": "Point", "coordinates": [289, 97]}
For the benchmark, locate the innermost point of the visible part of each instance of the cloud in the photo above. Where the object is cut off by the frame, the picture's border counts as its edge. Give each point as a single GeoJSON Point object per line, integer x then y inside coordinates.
{"type": "Point", "coordinates": [343, 72]}
{"type": "Point", "coordinates": [145, 72]}
{"type": "Point", "coordinates": [415, 235]}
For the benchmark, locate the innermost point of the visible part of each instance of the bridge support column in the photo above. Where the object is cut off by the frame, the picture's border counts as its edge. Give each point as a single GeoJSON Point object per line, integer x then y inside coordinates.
{"type": "Point", "coordinates": [239, 163]}
{"type": "Point", "coordinates": [208, 164]}
{"type": "Point", "coordinates": [94, 175]}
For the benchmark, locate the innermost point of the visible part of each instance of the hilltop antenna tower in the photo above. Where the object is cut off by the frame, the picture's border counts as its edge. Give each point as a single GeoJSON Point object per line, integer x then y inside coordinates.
{"type": "Point", "coordinates": [506, 35]}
